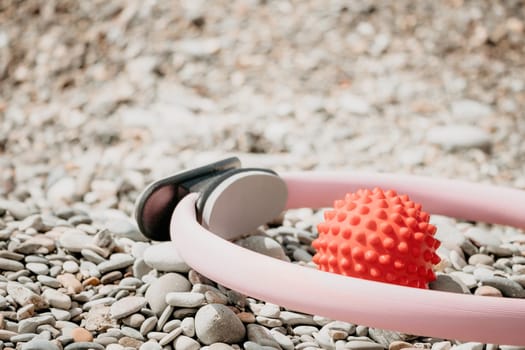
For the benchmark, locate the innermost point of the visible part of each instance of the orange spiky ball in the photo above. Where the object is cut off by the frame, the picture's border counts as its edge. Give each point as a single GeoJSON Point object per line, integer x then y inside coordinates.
{"type": "Point", "coordinates": [378, 235]}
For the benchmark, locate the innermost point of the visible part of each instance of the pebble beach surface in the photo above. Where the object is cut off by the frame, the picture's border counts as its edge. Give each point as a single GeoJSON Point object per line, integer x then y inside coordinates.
{"type": "Point", "coordinates": [99, 98]}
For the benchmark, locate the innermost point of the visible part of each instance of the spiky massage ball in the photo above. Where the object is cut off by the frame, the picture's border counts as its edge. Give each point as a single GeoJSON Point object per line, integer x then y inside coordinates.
{"type": "Point", "coordinates": [378, 235]}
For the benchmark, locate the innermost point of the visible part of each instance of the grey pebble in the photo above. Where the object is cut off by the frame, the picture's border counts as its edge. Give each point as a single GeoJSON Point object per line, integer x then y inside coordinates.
{"type": "Point", "coordinates": [135, 320]}
{"type": "Point", "coordinates": [188, 326]}
{"type": "Point", "coordinates": [457, 261]}
{"type": "Point", "coordinates": [482, 237]}
{"type": "Point", "coordinates": [269, 322]}
{"type": "Point", "coordinates": [148, 325]}
{"type": "Point", "coordinates": [467, 278]}
{"type": "Point", "coordinates": [171, 325]}
{"type": "Point", "coordinates": [29, 325]}
{"type": "Point", "coordinates": [447, 283]}
{"type": "Point", "coordinates": [91, 256]}
{"type": "Point", "coordinates": [185, 299]}
{"type": "Point", "coordinates": [481, 259]}
{"type": "Point", "coordinates": [459, 137]}
{"type": "Point", "coordinates": [57, 299]}
{"type": "Point", "coordinates": [508, 287]}
{"type": "Point", "coordinates": [10, 265]}
{"type": "Point", "coordinates": [24, 337]}
{"type": "Point", "coordinates": [170, 282]}
{"type": "Point", "coordinates": [164, 316]}
{"type": "Point", "coordinates": [150, 345]}
{"type": "Point", "coordinates": [164, 257]}
{"type": "Point", "coordinates": [84, 346]}
{"type": "Point", "coordinates": [117, 262]}
{"type": "Point", "coordinates": [305, 330]}
{"type": "Point", "coordinates": [261, 335]}
{"type": "Point", "coordinates": [284, 341]}
{"type": "Point", "coordinates": [131, 332]}
{"type": "Point", "coordinates": [270, 310]}
{"type": "Point", "coordinates": [293, 318]}
{"type": "Point", "coordinates": [363, 345]}
{"type": "Point", "coordinates": [49, 281]}
{"type": "Point", "coordinates": [217, 323]}
{"type": "Point", "coordinates": [24, 296]}
{"type": "Point", "coordinates": [40, 344]}
{"type": "Point", "coordinates": [186, 343]}
{"type": "Point", "coordinates": [74, 240]}
{"type": "Point", "coordinates": [263, 245]}
{"type": "Point", "coordinates": [168, 338]}
{"type": "Point", "coordinates": [127, 306]}
{"type": "Point", "coordinates": [18, 210]}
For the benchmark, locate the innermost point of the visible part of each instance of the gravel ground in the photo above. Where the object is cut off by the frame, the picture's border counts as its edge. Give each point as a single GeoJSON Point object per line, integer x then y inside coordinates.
{"type": "Point", "coordinates": [99, 98]}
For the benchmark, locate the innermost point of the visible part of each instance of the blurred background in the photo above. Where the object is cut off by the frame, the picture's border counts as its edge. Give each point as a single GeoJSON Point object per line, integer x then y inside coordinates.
{"type": "Point", "coordinates": [99, 97]}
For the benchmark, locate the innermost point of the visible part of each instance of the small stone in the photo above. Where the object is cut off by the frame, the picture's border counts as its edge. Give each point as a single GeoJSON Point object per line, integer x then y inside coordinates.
{"type": "Point", "coordinates": [363, 345]}
{"type": "Point", "coordinates": [29, 325]}
{"type": "Point", "coordinates": [305, 330]}
{"type": "Point", "coordinates": [62, 191]}
{"type": "Point", "coordinates": [386, 337]}
{"type": "Point", "coordinates": [398, 345]}
{"type": "Point", "coordinates": [269, 322]}
{"type": "Point", "coordinates": [442, 345]}
{"type": "Point", "coordinates": [134, 321]}
{"type": "Point", "coordinates": [18, 210]}
{"type": "Point", "coordinates": [488, 291]}
{"type": "Point", "coordinates": [217, 323]}
{"type": "Point", "coordinates": [468, 346]}
{"type": "Point", "coordinates": [148, 325]}
{"type": "Point", "coordinates": [466, 278]}
{"type": "Point", "coordinates": [10, 265]}
{"type": "Point", "coordinates": [127, 306]}
{"type": "Point", "coordinates": [188, 326]}
{"type": "Point", "coordinates": [354, 104]}
{"type": "Point", "coordinates": [168, 338]}
{"type": "Point", "coordinates": [293, 318]}
{"type": "Point", "coordinates": [185, 299]}
{"type": "Point", "coordinates": [170, 282]}
{"type": "Point", "coordinates": [470, 110]}
{"type": "Point", "coordinates": [23, 296]}
{"type": "Point", "coordinates": [284, 341]}
{"type": "Point", "coordinates": [56, 299]}
{"type": "Point", "coordinates": [84, 346]}
{"type": "Point", "coordinates": [459, 137]}
{"type": "Point", "coordinates": [263, 245]}
{"type": "Point", "coordinates": [508, 287]}
{"type": "Point", "coordinates": [246, 317]}
{"type": "Point", "coordinates": [131, 333]}
{"type": "Point", "coordinates": [70, 282]}
{"type": "Point", "coordinates": [40, 344]}
{"type": "Point", "coordinates": [261, 336]}
{"type": "Point", "coordinates": [70, 267]}
{"type": "Point", "coordinates": [270, 310]}
{"type": "Point", "coordinates": [74, 240]}
{"type": "Point", "coordinates": [481, 259]}
{"type": "Point", "coordinates": [38, 268]}
{"type": "Point", "coordinates": [482, 237]}
{"type": "Point", "coordinates": [117, 262]}
{"type": "Point", "coordinates": [150, 345]}
{"type": "Point", "coordinates": [447, 283]}
{"type": "Point", "coordinates": [80, 334]}
{"type": "Point", "coordinates": [186, 343]}
{"type": "Point", "coordinates": [164, 257]}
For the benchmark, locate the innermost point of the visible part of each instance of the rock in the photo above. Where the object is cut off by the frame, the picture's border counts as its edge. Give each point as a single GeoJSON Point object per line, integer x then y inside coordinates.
{"type": "Point", "coordinates": [398, 345]}
{"type": "Point", "coordinates": [508, 287]}
{"type": "Point", "coordinates": [459, 137]}
{"type": "Point", "coordinates": [385, 337]}
{"type": "Point", "coordinates": [466, 278]}
{"type": "Point", "coordinates": [80, 334]}
{"type": "Point", "coordinates": [363, 345]}
{"type": "Point", "coordinates": [442, 345]}
{"type": "Point", "coordinates": [448, 283]}
{"type": "Point", "coordinates": [98, 319]}
{"type": "Point", "coordinates": [293, 318]}
{"type": "Point", "coordinates": [24, 296]}
{"type": "Point", "coordinates": [62, 191]}
{"type": "Point", "coordinates": [217, 323]}
{"type": "Point", "coordinates": [354, 104]}
{"type": "Point", "coordinates": [468, 346]}
{"type": "Point", "coordinates": [125, 228]}
{"type": "Point", "coordinates": [29, 325]}
{"type": "Point", "coordinates": [127, 306]}
{"type": "Point", "coordinates": [40, 344]}
{"type": "Point", "coordinates": [116, 262]}
{"type": "Point", "coordinates": [482, 237]}
{"type": "Point", "coordinates": [84, 346]}
{"type": "Point", "coordinates": [69, 282]}
{"type": "Point", "coordinates": [134, 321]}
{"type": "Point", "coordinates": [261, 336]}
{"type": "Point", "coordinates": [170, 282]}
{"type": "Point", "coordinates": [470, 110]}
{"type": "Point", "coordinates": [18, 210]}
{"type": "Point", "coordinates": [185, 299]}
{"type": "Point", "coordinates": [56, 299]}
{"type": "Point", "coordinates": [488, 291]}
{"type": "Point", "coordinates": [74, 240]}
{"type": "Point", "coordinates": [150, 345]}
{"type": "Point", "coordinates": [10, 265]}
{"type": "Point", "coordinates": [263, 245]}
{"type": "Point", "coordinates": [164, 257]}
{"type": "Point", "coordinates": [481, 259]}
{"type": "Point", "coordinates": [186, 343]}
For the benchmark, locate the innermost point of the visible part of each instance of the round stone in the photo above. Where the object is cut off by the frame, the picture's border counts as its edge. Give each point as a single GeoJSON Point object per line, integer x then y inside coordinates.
{"type": "Point", "coordinates": [150, 345]}
{"type": "Point", "coordinates": [70, 266]}
{"type": "Point", "coordinates": [38, 268]}
{"type": "Point", "coordinates": [488, 291]}
{"type": "Point", "coordinates": [127, 306]}
{"type": "Point", "coordinates": [74, 240]}
{"type": "Point", "coordinates": [80, 334]}
{"type": "Point", "coordinates": [217, 323]}
{"type": "Point", "coordinates": [164, 257]}
{"type": "Point", "coordinates": [263, 245]}
{"type": "Point", "coordinates": [57, 299]}
{"type": "Point", "coordinates": [185, 299]}
{"type": "Point", "coordinates": [170, 282]}
{"type": "Point", "coordinates": [40, 344]}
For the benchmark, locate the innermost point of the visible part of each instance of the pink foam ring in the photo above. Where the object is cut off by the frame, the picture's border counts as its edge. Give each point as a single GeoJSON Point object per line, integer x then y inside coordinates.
{"type": "Point", "coordinates": [381, 305]}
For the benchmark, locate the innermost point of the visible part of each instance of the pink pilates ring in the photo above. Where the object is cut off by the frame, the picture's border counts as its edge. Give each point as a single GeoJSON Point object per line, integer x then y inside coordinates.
{"type": "Point", "coordinates": [381, 305]}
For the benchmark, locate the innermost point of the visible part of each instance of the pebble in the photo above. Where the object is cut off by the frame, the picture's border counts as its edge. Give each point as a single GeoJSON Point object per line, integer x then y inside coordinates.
{"type": "Point", "coordinates": [447, 283]}
{"type": "Point", "coordinates": [164, 257]}
{"type": "Point", "coordinates": [284, 341]}
{"type": "Point", "coordinates": [263, 245]}
{"type": "Point", "coordinates": [23, 296]}
{"type": "Point", "coordinates": [148, 325]}
{"type": "Point", "coordinates": [188, 326]}
{"type": "Point", "coordinates": [468, 346]}
{"type": "Point", "coordinates": [442, 345]}
{"type": "Point", "coordinates": [459, 137]}
{"type": "Point", "coordinates": [150, 346]}
{"type": "Point", "coordinates": [217, 323]}
{"type": "Point", "coordinates": [168, 283]}
{"type": "Point", "coordinates": [84, 346]}
{"type": "Point", "coordinates": [470, 110]}
{"type": "Point", "coordinates": [134, 321]}
{"type": "Point", "coordinates": [117, 262]}
{"type": "Point", "coordinates": [168, 338]}
{"type": "Point", "coordinates": [70, 282]}
{"type": "Point", "coordinates": [398, 345]}
{"type": "Point", "coordinates": [185, 299]}
{"type": "Point", "coordinates": [127, 306]}
{"type": "Point", "coordinates": [467, 278]}
{"type": "Point", "coordinates": [481, 259]}
{"type": "Point", "coordinates": [29, 325]}
{"type": "Point", "coordinates": [70, 267]}
{"type": "Point", "coordinates": [10, 265]}
{"type": "Point", "coordinates": [40, 344]}
{"type": "Point", "coordinates": [186, 343]}
{"type": "Point", "coordinates": [488, 291]}
{"type": "Point", "coordinates": [57, 299]}
{"type": "Point", "coordinates": [482, 237]}
{"type": "Point", "coordinates": [74, 240]}
{"type": "Point", "coordinates": [261, 336]}
{"type": "Point", "coordinates": [80, 334]}
{"type": "Point", "coordinates": [508, 287]}
{"type": "Point", "coordinates": [363, 345]}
